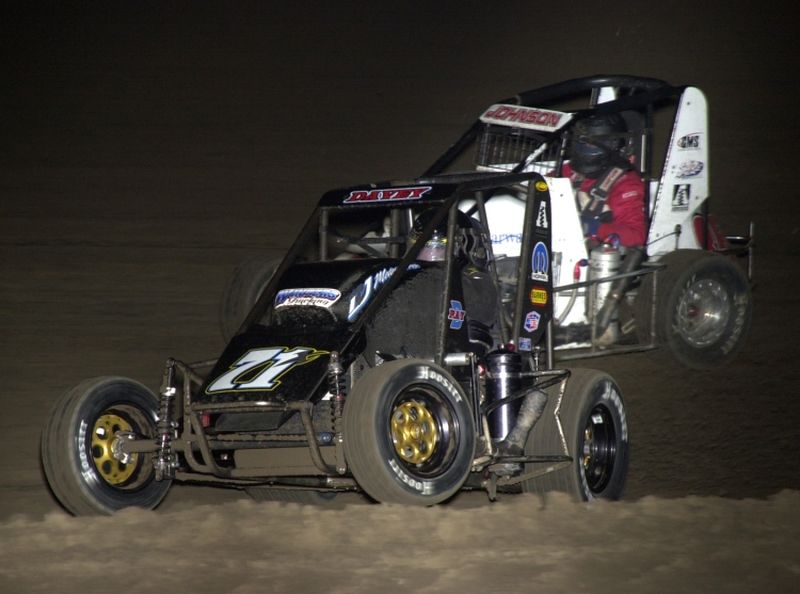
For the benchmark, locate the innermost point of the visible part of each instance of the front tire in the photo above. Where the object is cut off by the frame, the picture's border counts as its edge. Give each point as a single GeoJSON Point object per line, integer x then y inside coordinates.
{"type": "Point", "coordinates": [595, 426]}
{"type": "Point", "coordinates": [409, 433]}
{"type": "Point", "coordinates": [77, 447]}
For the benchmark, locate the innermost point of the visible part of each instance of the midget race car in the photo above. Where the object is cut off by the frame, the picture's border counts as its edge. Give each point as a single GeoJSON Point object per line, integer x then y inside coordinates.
{"type": "Point", "coordinates": [411, 343]}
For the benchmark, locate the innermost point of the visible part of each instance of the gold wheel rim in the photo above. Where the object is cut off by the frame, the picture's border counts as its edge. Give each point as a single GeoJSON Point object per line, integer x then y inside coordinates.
{"type": "Point", "coordinates": [112, 470]}
{"type": "Point", "coordinates": [588, 438]}
{"type": "Point", "coordinates": [414, 432]}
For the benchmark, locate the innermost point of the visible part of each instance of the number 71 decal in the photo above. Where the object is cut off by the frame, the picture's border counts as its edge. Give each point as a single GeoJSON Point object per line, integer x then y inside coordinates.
{"type": "Point", "coordinates": [260, 369]}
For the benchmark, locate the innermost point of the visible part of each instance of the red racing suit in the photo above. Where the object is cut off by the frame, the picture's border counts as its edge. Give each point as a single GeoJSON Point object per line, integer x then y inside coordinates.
{"type": "Point", "coordinates": [625, 201]}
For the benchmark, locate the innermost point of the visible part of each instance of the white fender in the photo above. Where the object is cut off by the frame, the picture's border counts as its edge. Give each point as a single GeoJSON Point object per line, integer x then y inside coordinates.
{"type": "Point", "coordinates": [684, 181]}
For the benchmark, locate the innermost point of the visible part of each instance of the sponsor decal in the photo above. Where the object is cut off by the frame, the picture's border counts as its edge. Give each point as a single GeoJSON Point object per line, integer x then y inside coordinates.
{"type": "Point", "coordinates": [426, 373]}
{"type": "Point", "coordinates": [611, 394]}
{"type": "Point", "coordinates": [532, 321]}
{"type": "Point", "coordinates": [261, 369]}
{"type": "Point", "coordinates": [689, 169]}
{"type": "Point", "coordinates": [307, 297]}
{"type": "Point", "coordinates": [525, 344]}
{"type": "Point", "coordinates": [524, 117]}
{"type": "Point", "coordinates": [539, 296]}
{"type": "Point", "coordinates": [387, 194]}
{"type": "Point", "coordinates": [541, 216]}
{"type": "Point", "coordinates": [507, 238]}
{"type": "Point", "coordinates": [367, 289]}
{"type": "Point", "coordinates": [424, 487]}
{"type": "Point", "coordinates": [689, 142]}
{"type": "Point", "coordinates": [681, 194]}
{"type": "Point", "coordinates": [456, 314]}
{"type": "Point", "coordinates": [540, 262]}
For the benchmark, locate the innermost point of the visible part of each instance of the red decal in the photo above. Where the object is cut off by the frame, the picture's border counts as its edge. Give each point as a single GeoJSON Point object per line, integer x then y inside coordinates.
{"type": "Point", "coordinates": [387, 194]}
{"type": "Point", "coordinates": [526, 116]}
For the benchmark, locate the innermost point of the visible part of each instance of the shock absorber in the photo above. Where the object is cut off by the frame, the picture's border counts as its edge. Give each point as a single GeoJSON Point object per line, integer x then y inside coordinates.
{"type": "Point", "coordinates": [336, 386]}
{"type": "Point", "coordinates": [166, 460]}
{"type": "Point", "coordinates": [504, 369]}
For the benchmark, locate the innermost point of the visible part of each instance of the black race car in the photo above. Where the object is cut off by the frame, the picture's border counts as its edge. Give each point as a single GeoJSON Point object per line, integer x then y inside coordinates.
{"type": "Point", "coordinates": [394, 353]}
{"type": "Point", "coordinates": [379, 357]}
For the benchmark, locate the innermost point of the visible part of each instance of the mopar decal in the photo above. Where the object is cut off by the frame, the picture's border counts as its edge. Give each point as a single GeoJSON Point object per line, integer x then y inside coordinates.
{"type": "Point", "coordinates": [387, 194]}
{"type": "Point", "coordinates": [260, 369]}
{"type": "Point", "coordinates": [307, 297]}
{"type": "Point", "coordinates": [456, 314]}
{"type": "Point", "coordinates": [540, 262]}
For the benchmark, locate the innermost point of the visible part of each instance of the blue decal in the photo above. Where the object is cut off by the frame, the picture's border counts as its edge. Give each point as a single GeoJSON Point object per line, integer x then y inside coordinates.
{"type": "Point", "coordinates": [307, 297]}
{"type": "Point", "coordinates": [540, 262]}
{"type": "Point", "coordinates": [532, 321]}
{"type": "Point", "coordinates": [525, 344]}
{"type": "Point", "coordinates": [456, 314]}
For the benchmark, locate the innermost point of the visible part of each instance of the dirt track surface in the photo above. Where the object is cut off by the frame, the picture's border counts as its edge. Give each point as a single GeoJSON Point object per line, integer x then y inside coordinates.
{"type": "Point", "coordinates": [143, 154]}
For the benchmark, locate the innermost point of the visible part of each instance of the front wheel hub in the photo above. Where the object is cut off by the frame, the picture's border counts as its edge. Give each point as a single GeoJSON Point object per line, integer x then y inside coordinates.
{"type": "Point", "coordinates": [414, 432]}
{"type": "Point", "coordinates": [105, 432]}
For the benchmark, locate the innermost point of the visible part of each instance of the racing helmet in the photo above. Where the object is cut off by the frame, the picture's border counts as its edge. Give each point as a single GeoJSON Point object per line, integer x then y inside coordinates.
{"type": "Point", "coordinates": [596, 142]}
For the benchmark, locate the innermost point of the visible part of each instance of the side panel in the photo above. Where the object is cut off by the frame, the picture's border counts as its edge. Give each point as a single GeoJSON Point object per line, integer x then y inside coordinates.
{"type": "Point", "coordinates": [569, 249]}
{"type": "Point", "coordinates": [684, 180]}
{"type": "Point", "coordinates": [534, 307]}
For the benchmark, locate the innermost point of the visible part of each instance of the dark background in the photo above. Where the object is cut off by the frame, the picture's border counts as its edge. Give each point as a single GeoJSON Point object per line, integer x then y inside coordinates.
{"type": "Point", "coordinates": [148, 147]}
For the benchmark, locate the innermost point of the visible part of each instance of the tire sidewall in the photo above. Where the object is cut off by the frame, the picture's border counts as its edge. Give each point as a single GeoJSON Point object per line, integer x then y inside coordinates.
{"type": "Point", "coordinates": [112, 393]}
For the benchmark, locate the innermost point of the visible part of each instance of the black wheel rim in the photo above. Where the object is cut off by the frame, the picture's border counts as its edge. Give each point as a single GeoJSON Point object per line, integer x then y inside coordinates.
{"type": "Point", "coordinates": [599, 450]}
{"type": "Point", "coordinates": [424, 431]}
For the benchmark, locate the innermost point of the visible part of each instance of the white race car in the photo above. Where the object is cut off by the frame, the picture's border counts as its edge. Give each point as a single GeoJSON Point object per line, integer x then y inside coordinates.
{"type": "Point", "coordinates": [684, 288]}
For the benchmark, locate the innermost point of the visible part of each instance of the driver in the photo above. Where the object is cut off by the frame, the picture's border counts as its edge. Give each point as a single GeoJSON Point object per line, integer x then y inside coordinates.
{"type": "Point", "coordinates": [609, 189]}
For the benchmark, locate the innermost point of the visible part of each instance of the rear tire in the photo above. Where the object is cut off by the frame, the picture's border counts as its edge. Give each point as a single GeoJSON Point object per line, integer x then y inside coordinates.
{"type": "Point", "coordinates": [242, 291]}
{"type": "Point", "coordinates": [409, 433]}
{"type": "Point", "coordinates": [595, 427]}
{"type": "Point", "coordinates": [77, 441]}
{"type": "Point", "coordinates": [703, 308]}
